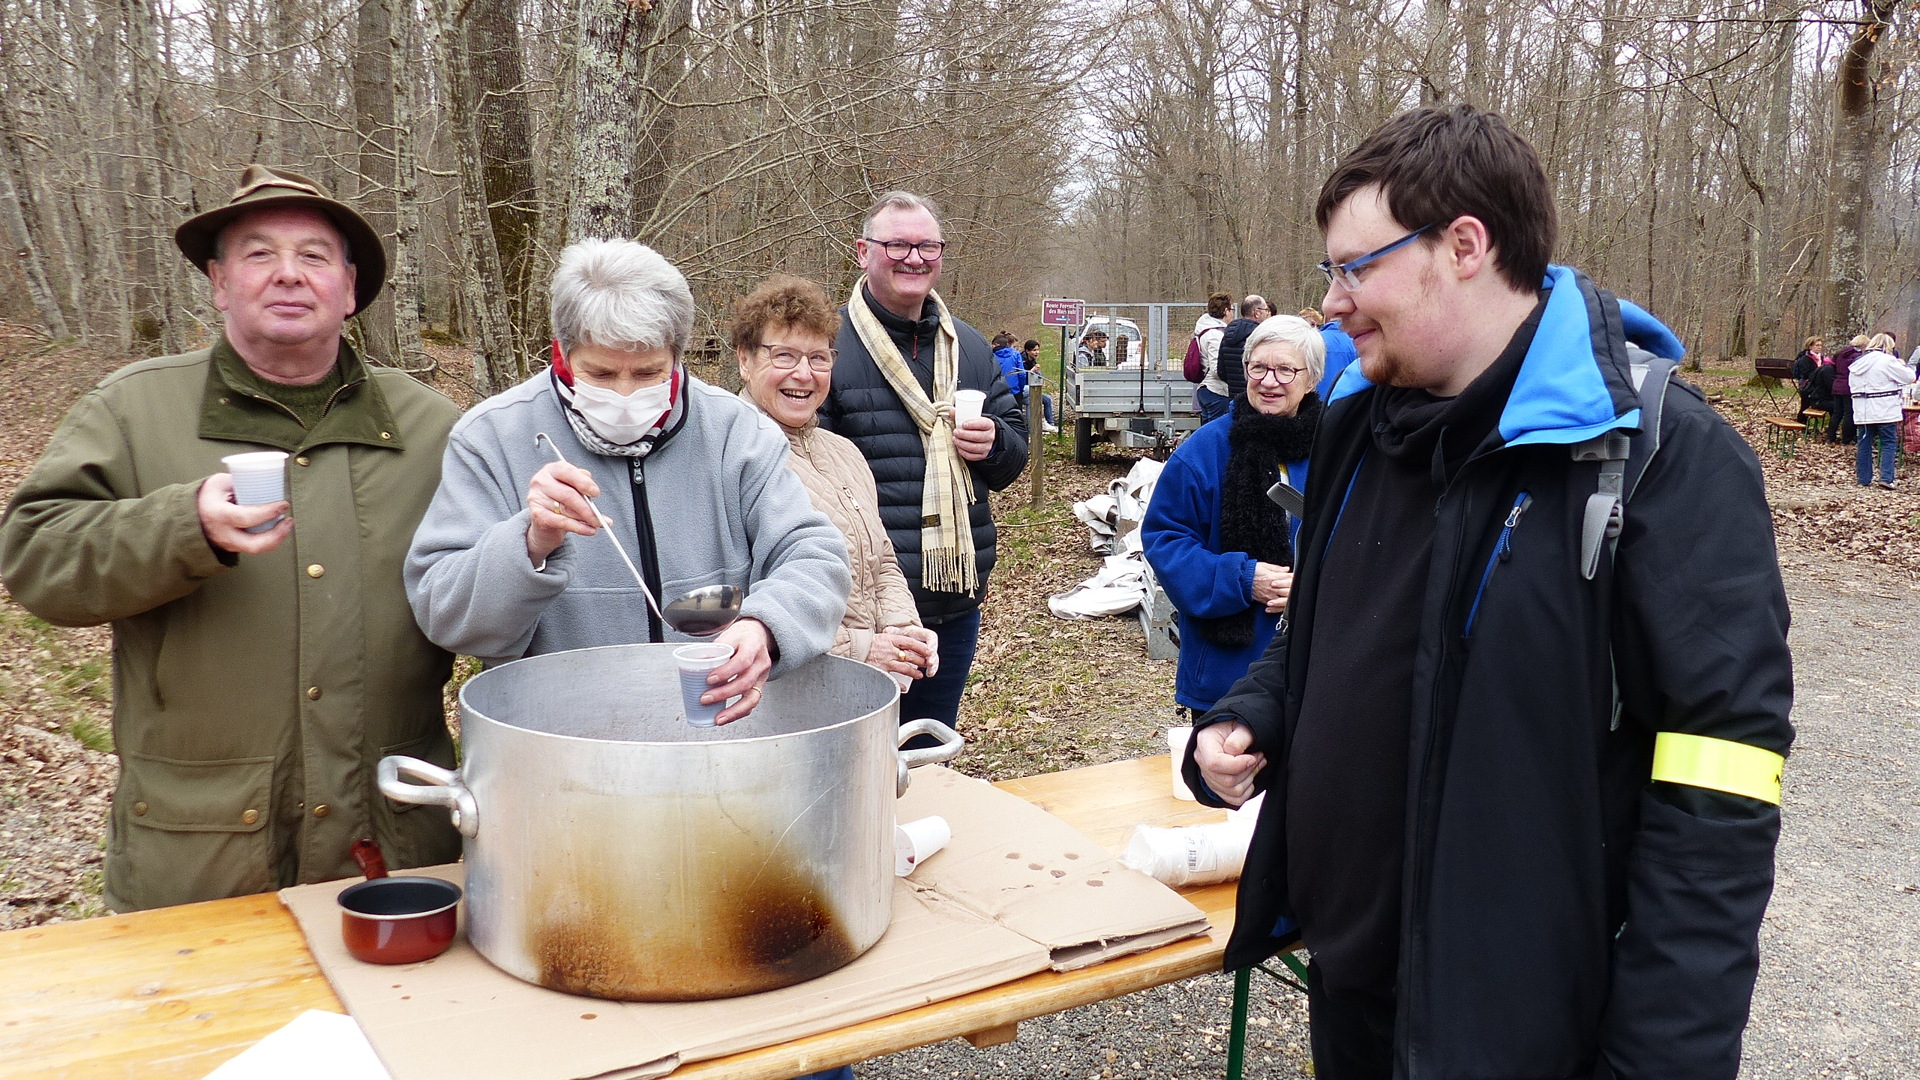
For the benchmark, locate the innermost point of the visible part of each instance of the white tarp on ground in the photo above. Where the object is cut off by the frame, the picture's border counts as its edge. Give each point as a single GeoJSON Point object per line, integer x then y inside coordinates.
{"type": "Point", "coordinates": [1113, 525]}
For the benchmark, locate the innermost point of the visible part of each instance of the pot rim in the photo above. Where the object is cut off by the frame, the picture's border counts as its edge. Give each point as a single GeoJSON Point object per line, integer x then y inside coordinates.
{"type": "Point", "coordinates": [466, 707]}
{"type": "Point", "coordinates": [458, 893]}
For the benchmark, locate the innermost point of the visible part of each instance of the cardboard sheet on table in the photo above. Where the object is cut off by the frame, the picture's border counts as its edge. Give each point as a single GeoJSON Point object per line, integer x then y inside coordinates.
{"type": "Point", "coordinates": [964, 922]}
{"type": "Point", "coordinates": [1040, 877]}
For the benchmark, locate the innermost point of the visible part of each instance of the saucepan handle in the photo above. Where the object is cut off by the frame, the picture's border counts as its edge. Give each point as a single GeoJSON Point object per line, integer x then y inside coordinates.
{"type": "Point", "coordinates": [950, 746]}
{"type": "Point", "coordinates": [443, 788]}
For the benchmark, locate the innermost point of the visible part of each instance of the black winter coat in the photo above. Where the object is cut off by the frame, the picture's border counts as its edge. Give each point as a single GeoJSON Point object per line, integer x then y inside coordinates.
{"type": "Point", "coordinates": [1561, 914]}
{"type": "Point", "coordinates": [1232, 360]}
{"type": "Point", "coordinates": [862, 407]}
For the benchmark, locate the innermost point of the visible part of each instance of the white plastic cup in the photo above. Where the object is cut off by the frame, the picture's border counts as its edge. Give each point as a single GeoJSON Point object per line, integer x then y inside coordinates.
{"type": "Point", "coordinates": [914, 842]}
{"type": "Point", "coordinates": [695, 663]}
{"type": "Point", "coordinates": [259, 477]}
{"type": "Point", "coordinates": [967, 405]}
{"type": "Point", "coordinates": [1177, 746]}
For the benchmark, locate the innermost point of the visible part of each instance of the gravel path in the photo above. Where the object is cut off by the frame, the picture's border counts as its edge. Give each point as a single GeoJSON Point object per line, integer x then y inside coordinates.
{"type": "Point", "coordinates": [1839, 992]}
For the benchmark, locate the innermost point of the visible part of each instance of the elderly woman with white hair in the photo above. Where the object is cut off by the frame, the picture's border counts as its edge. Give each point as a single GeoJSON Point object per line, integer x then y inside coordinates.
{"type": "Point", "coordinates": [1220, 547]}
{"type": "Point", "coordinates": [692, 481]}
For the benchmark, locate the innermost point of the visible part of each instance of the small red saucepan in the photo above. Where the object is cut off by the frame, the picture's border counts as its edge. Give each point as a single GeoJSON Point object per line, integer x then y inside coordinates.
{"type": "Point", "coordinates": [396, 920]}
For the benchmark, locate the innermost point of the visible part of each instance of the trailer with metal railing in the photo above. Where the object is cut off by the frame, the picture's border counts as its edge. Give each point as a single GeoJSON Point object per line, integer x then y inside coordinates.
{"type": "Point", "coordinates": [1139, 396]}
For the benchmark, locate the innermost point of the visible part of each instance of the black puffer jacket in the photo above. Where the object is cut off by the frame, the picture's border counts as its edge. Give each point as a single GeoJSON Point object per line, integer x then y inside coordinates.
{"type": "Point", "coordinates": [1561, 914]}
{"type": "Point", "coordinates": [1232, 362]}
{"type": "Point", "coordinates": [864, 408]}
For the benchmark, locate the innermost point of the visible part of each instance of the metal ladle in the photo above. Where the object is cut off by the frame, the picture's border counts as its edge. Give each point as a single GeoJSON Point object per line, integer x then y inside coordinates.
{"type": "Point", "coordinates": [701, 613]}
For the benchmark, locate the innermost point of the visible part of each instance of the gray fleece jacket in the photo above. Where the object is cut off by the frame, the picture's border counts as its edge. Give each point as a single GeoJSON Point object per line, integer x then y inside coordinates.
{"type": "Point", "coordinates": [721, 508]}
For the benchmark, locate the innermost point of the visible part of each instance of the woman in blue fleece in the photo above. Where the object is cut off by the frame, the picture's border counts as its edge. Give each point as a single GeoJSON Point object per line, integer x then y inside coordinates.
{"type": "Point", "coordinates": [1220, 547]}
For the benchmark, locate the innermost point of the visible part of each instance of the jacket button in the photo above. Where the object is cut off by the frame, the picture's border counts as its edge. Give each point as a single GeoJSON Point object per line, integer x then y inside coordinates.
{"type": "Point", "coordinates": [386, 434]}
{"type": "Point", "coordinates": [322, 810]}
{"type": "Point", "coordinates": [316, 570]}
{"type": "Point", "coordinates": [313, 693]}
{"type": "Point", "coordinates": [303, 460]}
{"type": "Point", "coordinates": [139, 809]}
{"type": "Point", "coordinates": [249, 817]}
{"type": "Point", "coordinates": [223, 401]}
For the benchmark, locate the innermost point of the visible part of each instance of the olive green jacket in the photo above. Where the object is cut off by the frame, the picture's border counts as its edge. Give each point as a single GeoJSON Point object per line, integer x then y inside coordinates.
{"type": "Point", "coordinates": [252, 695]}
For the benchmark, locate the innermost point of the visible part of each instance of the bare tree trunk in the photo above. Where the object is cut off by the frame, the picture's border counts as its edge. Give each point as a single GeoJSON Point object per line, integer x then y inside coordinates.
{"type": "Point", "coordinates": [491, 38]}
{"type": "Point", "coordinates": [606, 135]}
{"type": "Point", "coordinates": [1854, 122]}
{"type": "Point", "coordinates": [374, 129]}
{"type": "Point", "coordinates": [15, 221]}
{"type": "Point", "coordinates": [403, 283]}
{"type": "Point", "coordinates": [497, 364]}
{"type": "Point", "coordinates": [661, 70]}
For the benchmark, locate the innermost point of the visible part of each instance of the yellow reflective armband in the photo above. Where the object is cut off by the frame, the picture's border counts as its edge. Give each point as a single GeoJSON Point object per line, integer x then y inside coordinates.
{"type": "Point", "coordinates": [1719, 764]}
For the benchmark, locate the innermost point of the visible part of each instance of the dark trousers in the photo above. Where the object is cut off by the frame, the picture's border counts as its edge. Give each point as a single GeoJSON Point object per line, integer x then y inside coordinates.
{"type": "Point", "coordinates": [939, 695]}
{"type": "Point", "coordinates": [1840, 424]}
{"type": "Point", "coordinates": [1351, 1032]}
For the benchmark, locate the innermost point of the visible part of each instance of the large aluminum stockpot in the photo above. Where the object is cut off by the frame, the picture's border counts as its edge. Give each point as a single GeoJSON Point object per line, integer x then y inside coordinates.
{"type": "Point", "coordinates": [616, 851]}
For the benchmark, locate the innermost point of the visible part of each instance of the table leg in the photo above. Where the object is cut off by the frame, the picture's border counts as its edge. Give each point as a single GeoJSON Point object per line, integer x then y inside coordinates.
{"type": "Point", "coordinates": [1237, 1034]}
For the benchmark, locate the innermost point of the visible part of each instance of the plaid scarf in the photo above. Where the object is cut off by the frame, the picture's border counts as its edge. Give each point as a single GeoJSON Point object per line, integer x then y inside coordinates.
{"type": "Point", "coordinates": [946, 490]}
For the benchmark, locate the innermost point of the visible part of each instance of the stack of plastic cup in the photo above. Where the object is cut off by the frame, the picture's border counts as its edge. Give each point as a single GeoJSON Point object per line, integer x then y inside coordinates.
{"type": "Point", "coordinates": [694, 663]}
{"type": "Point", "coordinates": [259, 477]}
{"type": "Point", "coordinates": [967, 405]}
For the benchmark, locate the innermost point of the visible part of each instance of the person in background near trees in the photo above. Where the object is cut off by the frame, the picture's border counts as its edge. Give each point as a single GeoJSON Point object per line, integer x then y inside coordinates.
{"type": "Point", "coordinates": [1840, 424]}
{"type": "Point", "coordinates": [1805, 364]}
{"type": "Point", "coordinates": [1220, 547]}
{"type": "Point", "coordinates": [1011, 369]}
{"type": "Point", "coordinates": [1340, 352]}
{"type": "Point", "coordinates": [1030, 360]}
{"type": "Point", "coordinates": [1210, 398]}
{"type": "Point", "coordinates": [693, 483]}
{"type": "Point", "coordinates": [1092, 350]}
{"type": "Point", "coordinates": [259, 676]}
{"type": "Point", "coordinates": [783, 339]}
{"type": "Point", "coordinates": [1233, 342]}
{"type": "Point", "coordinates": [1520, 805]}
{"type": "Point", "coordinates": [1879, 379]}
{"type": "Point", "coordinates": [902, 356]}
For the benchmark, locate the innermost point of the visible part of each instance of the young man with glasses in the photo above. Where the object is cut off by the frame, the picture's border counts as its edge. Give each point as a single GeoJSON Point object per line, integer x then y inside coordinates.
{"type": "Point", "coordinates": [1521, 754]}
{"type": "Point", "coordinates": [902, 358]}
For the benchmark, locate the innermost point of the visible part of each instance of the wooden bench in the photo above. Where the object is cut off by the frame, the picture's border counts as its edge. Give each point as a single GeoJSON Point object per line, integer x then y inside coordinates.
{"type": "Point", "coordinates": [1816, 421]}
{"type": "Point", "coordinates": [1783, 435]}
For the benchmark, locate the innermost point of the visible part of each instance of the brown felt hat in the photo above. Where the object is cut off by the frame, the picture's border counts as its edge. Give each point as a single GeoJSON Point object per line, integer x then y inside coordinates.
{"type": "Point", "coordinates": [261, 188]}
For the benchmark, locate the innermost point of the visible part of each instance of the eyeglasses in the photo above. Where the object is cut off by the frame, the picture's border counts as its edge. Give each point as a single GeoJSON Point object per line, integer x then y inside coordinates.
{"type": "Point", "coordinates": [1257, 373]}
{"type": "Point", "coordinates": [1348, 273]}
{"type": "Point", "coordinates": [788, 360]}
{"type": "Point", "coordinates": [898, 250]}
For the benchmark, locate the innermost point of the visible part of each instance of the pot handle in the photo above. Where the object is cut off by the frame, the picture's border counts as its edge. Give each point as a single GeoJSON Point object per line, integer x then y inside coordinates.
{"type": "Point", "coordinates": [950, 746]}
{"type": "Point", "coordinates": [444, 788]}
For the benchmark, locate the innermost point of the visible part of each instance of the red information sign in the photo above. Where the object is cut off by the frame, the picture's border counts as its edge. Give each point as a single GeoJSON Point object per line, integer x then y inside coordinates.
{"type": "Point", "coordinates": [1062, 312]}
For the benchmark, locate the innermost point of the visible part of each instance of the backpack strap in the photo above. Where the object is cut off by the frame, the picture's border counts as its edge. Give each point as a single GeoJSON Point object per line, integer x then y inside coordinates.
{"type": "Point", "coordinates": [1623, 461]}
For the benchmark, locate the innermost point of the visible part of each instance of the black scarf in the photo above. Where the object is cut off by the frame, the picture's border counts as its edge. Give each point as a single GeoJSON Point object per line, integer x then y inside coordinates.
{"type": "Point", "coordinates": [1259, 446]}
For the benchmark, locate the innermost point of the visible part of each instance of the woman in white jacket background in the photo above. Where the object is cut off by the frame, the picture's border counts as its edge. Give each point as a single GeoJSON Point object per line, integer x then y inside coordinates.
{"type": "Point", "coordinates": [1878, 377]}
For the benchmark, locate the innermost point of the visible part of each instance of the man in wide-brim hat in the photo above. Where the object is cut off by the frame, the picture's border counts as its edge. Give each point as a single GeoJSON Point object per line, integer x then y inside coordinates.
{"type": "Point", "coordinates": [259, 676]}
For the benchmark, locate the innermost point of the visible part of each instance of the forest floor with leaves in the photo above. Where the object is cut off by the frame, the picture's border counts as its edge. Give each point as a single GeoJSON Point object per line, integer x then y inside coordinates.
{"type": "Point", "coordinates": [1047, 694]}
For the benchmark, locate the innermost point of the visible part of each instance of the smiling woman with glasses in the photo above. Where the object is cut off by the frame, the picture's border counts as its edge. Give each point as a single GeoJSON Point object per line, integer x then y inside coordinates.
{"type": "Point", "coordinates": [782, 335]}
{"type": "Point", "coordinates": [1220, 547]}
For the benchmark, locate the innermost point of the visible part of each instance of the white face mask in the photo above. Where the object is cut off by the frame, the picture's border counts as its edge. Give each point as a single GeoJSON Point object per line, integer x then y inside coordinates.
{"type": "Point", "coordinates": [618, 418]}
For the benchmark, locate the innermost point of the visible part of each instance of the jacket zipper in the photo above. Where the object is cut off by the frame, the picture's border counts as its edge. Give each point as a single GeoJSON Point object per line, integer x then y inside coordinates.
{"type": "Point", "coordinates": [643, 536]}
{"type": "Point", "coordinates": [1502, 551]}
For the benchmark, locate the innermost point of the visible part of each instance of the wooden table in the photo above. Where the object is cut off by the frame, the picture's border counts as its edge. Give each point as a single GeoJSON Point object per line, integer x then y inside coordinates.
{"type": "Point", "coordinates": [177, 991]}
